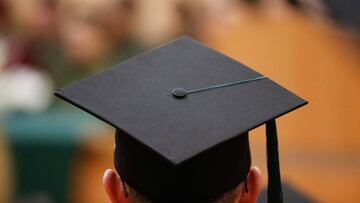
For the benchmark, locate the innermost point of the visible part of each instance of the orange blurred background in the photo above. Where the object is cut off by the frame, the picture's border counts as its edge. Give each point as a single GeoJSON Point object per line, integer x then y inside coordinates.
{"type": "Point", "coordinates": [50, 152]}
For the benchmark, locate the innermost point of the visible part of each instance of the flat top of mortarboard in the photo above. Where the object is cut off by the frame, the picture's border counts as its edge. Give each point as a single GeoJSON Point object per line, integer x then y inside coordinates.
{"type": "Point", "coordinates": [149, 97]}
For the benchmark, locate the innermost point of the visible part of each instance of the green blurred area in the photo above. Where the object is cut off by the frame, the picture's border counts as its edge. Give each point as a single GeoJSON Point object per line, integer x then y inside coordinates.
{"type": "Point", "coordinates": [44, 148]}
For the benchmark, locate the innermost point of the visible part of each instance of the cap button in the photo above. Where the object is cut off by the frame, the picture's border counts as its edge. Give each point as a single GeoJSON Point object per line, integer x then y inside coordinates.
{"type": "Point", "coordinates": [179, 92]}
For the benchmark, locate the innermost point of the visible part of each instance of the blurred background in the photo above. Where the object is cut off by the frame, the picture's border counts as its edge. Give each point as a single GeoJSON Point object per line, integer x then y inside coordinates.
{"type": "Point", "coordinates": [50, 152]}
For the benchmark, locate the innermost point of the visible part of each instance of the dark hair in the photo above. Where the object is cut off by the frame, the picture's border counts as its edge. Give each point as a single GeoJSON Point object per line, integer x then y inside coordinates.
{"type": "Point", "coordinates": [228, 197]}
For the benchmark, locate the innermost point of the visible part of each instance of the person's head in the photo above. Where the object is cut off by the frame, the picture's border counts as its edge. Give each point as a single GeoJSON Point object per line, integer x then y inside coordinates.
{"type": "Point", "coordinates": [115, 191]}
{"type": "Point", "coordinates": [174, 139]}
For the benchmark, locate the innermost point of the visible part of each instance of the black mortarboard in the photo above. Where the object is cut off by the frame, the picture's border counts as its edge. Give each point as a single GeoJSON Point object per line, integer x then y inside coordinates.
{"type": "Point", "coordinates": [182, 113]}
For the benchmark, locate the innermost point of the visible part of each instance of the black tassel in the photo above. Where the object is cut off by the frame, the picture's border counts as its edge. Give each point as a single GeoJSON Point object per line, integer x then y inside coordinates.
{"type": "Point", "coordinates": [274, 180]}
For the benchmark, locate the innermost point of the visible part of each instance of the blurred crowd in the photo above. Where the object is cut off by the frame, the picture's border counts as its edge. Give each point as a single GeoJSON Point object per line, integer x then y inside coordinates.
{"type": "Point", "coordinates": [46, 44]}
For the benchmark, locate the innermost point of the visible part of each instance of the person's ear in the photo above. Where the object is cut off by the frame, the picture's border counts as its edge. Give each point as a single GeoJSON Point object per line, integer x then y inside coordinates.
{"type": "Point", "coordinates": [113, 187]}
{"type": "Point", "coordinates": [254, 184]}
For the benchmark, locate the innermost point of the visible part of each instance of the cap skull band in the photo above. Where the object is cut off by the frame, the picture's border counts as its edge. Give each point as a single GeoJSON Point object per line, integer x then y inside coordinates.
{"type": "Point", "coordinates": [182, 114]}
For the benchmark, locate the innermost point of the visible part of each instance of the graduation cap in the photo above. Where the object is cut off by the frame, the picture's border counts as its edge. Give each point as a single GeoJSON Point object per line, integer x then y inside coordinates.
{"type": "Point", "coordinates": [182, 113]}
